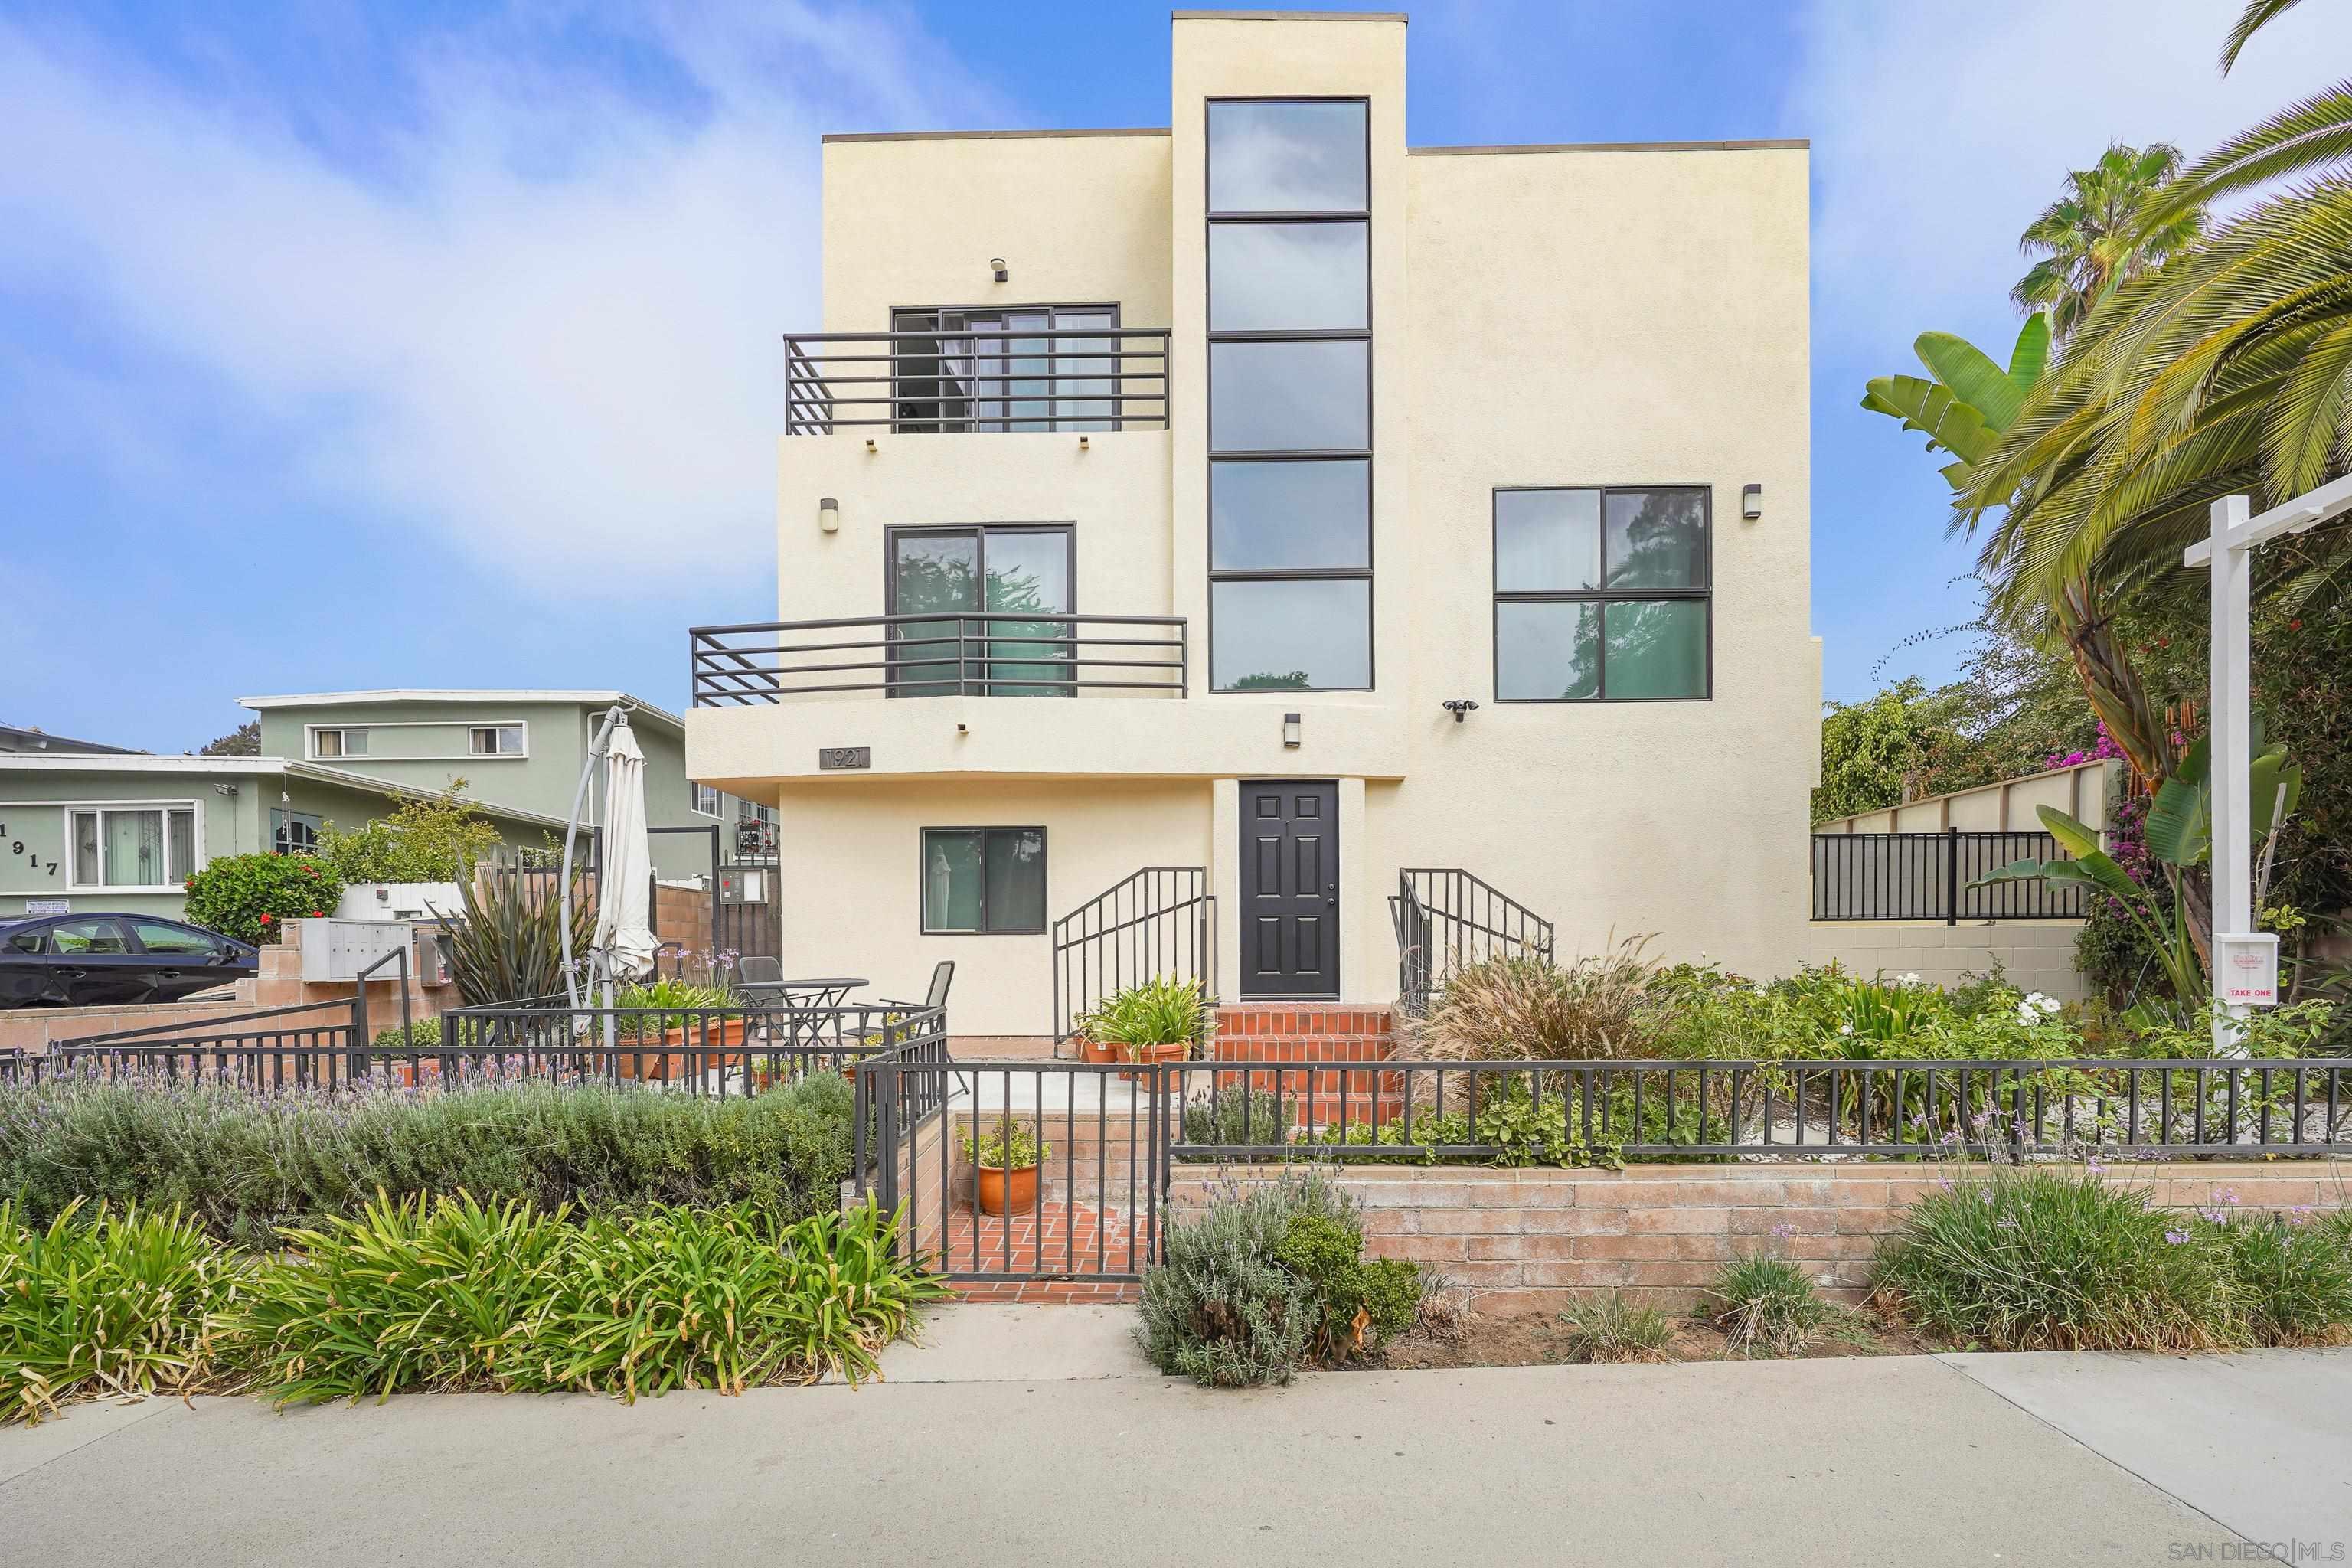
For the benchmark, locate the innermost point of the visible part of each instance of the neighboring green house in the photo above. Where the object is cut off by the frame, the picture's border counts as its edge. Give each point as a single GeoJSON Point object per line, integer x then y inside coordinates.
{"type": "Point", "coordinates": [518, 750]}
{"type": "Point", "coordinates": [122, 831]}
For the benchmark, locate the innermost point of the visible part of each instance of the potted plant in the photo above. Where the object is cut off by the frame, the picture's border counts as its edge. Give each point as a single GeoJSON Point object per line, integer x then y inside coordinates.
{"type": "Point", "coordinates": [1157, 1020]}
{"type": "Point", "coordinates": [671, 1012]}
{"type": "Point", "coordinates": [1087, 1033]}
{"type": "Point", "coordinates": [1006, 1159]}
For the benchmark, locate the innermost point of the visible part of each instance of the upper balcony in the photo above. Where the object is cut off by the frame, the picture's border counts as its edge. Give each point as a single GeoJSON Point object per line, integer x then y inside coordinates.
{"type": "Point", "coordinates": [975, 654]}
{"type": "Point", "coordinates": [1017, 375]}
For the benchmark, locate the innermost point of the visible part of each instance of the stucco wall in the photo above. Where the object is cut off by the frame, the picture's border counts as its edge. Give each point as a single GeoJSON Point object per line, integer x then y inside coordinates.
{"type": "Point", "coordinates": [2009, 807]}
{"type": "Point", "coordinates": [852, 891]}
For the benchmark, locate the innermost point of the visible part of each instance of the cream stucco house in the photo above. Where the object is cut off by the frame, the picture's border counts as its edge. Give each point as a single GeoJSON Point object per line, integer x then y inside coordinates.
{"type": "Point", "coordinates": [1266, 495]}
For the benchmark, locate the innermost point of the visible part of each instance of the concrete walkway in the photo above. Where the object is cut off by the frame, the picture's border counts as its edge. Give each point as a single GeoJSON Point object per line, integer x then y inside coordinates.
{"type": "Point", "coordinates": [1035, 1434]}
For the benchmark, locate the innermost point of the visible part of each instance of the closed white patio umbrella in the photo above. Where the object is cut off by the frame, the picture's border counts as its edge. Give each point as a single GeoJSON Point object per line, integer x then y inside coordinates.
{"type": "Point", "coordinates": [625, 942]}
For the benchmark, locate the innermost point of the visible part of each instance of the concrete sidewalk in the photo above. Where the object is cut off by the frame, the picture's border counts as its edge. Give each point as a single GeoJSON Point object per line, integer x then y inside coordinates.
{"type": "Point", "coordinates": [1035, 1434]}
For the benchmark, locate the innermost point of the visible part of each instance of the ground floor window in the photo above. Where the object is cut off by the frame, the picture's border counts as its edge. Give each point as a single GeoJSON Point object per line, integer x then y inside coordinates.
{"type": "Point", "coordinates": [294, 833]}
{"type": "Point", "coordinates": [984, 879]}
{"type": "Point", "coordinates": [133, 846]}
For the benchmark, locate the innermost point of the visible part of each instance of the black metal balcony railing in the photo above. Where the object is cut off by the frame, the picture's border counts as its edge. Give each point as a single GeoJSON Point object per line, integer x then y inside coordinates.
{"type": "Point", "coordinates": [976, 654]}
{"type": "Point", "coordinates": [1078, 380]}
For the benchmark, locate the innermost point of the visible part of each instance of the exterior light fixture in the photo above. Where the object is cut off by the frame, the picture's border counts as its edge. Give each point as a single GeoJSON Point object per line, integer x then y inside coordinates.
{"type": "Point", "coordinates": [1459, 706]}
{"type": "Point", "coordinates": [1082, 443]}
{"type": "Point", "coordinates": [870, 448]}
{"type": "Point", "coordinates": [996, 264]}
{"type": "Point", "coordinates": [1751, 502]}
{"type": "Point", "coordinates": [828, 515]}
{"type": "Point", "coordinates": [1290, 735]}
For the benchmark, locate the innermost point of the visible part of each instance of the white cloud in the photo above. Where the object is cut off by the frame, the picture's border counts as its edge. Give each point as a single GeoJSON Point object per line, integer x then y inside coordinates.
{"type": "Point", "coordinates": [544, 321]}
{"type": "Point", "coordinates": [1939, 132]}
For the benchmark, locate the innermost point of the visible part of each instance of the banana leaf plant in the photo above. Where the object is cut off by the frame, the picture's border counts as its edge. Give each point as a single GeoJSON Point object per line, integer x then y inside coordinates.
{"type": "Point", "coordinates": [2179, 835]}
{"type": "Point", "coordinates": [1971, 400]}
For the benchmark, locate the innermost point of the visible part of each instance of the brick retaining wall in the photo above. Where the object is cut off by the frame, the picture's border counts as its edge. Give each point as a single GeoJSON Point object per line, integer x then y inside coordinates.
{"type": "Point", "coordinates": [1525, 1239]}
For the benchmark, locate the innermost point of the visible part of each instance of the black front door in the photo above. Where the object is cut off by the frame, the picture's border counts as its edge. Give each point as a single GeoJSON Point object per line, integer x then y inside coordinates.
{"type": "Point", "coordinates": [1290, 888]}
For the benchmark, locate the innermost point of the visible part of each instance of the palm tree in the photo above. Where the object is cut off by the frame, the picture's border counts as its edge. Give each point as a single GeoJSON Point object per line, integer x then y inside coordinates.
{"type": "Point", "coordinates": [2257, 14]}
{"type": "Point", "coordinates": [2095, 235]}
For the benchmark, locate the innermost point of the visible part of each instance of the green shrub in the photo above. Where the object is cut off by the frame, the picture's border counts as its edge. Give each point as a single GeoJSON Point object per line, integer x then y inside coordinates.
{"type": "Point", "coordinates": [420, 1035]}
{"type": "Point", "coordinates": [436, 840]}
{"type": "Point", "coordinates": [507, 945]}
{"type": "Point", "coordinates": [1605, 1326]}
{"type": "Point", "coordinates": [456, 1294]}
{"type": "Point", "coordinates": [1766, 1303]}
{"type": "Point", "coordinates": [2294, 1276]}
{"type": "Point", "coordinates": [1362, 1303]}
{"type": "Point", "coordinates": [2046, 1259]}
{"type": "Point", "coordinates": [250, 897]}
{"type": "Point", "coordinates": [1510, 1007]}
{"type": "Point", "coordinates": [665, 1004]}
{"type": "Point", "coordinates": [1238, 1117]}
{"type": "Point", "coordinates": [106, 1303]}
{"type": "Point", "coordinates": [1265, 1282]}
{"type": "Point", "coordinates": [243, 1164]}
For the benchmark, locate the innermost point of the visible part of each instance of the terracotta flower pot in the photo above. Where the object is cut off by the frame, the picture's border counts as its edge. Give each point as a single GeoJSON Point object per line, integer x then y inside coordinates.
{"type": "Point", "coordinates": [1175, 1052]}
{"type": "Point", "coordinates": [1097, 1050]}
{"type": "Point", "coordinates": [643, 1061]}
{"type": "Point", "coordinates": [1004, 1190]}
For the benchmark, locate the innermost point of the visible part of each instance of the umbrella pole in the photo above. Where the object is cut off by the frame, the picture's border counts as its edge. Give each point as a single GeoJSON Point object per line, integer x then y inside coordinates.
{"type": "Point", "coordinates": [573, 991]}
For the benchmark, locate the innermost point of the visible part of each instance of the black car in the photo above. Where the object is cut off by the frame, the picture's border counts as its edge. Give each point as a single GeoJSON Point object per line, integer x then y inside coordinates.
{"type": "Point", "coordinates": [80, 961]}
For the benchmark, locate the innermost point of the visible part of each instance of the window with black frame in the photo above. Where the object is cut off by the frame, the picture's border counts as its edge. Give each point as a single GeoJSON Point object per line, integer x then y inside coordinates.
{"type": "Point", "coordinates": [983, 880]}
{"type": "Point", "coordinates": [1021, 571]}
{"type": "Point", "coordinates": [1290, 442]}
{"type": "Point", "coordinates": [995, 370]}
{"type": "Point", "coordinates": [1603, 595]}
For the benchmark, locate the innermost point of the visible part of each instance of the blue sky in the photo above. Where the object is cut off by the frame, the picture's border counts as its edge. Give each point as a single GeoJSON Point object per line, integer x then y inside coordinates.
{"type": "Point", "coordinates": [347, 346]}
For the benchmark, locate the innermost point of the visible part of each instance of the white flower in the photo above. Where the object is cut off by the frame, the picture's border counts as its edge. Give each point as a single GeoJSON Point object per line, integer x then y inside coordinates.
{"type": "Point", "coordinates": [1906, 980]}
{"type": "Point", "coordinates": [1845, 1028]}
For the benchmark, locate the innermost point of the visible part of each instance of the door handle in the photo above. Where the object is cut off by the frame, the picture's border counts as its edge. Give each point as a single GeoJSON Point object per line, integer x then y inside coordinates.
{"type": "Point", "coordinates": [75, 974]}
{"type": "Point", "coordinates": [1331, 895]}
{"type": "Point", "coordinates": [167, 974]}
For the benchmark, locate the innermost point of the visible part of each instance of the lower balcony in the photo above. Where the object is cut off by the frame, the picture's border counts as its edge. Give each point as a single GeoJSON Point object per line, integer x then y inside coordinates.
{"type": "Point", "coordinates": [1001, 693]}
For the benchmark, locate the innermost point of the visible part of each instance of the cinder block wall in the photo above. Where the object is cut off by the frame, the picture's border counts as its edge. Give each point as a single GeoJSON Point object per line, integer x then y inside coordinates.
{"type": "Point", "coordinates": [1527, 1239]}
{"type": "Point", "coordinates": [2038, 955]}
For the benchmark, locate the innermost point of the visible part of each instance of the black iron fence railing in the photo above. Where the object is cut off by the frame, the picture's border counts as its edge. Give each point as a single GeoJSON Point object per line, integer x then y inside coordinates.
{"type": "Point", "coordinates": [1016, 654]}
{"type": "Point", "coordinates": [1446, 918]}
{"type": "Point", "coordinates": [1159, 922]}
{"type": "Point", "coordinates": [1926, 876]}
{"type": "Point", "coordinates": [1078, 380]}
{"type": "Point", "coordinates": [1561, 1112]}
{"type": "Point", "coordinates": [721, 1051]}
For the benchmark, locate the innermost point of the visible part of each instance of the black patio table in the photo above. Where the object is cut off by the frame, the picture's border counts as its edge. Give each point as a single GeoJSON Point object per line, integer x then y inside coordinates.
{"type": "Point", "coordinates": [806, 1004]}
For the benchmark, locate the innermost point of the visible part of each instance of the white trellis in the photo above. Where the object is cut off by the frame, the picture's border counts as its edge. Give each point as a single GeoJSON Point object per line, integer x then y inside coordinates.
{"type": "Point", "coordinates": [2245, 961]}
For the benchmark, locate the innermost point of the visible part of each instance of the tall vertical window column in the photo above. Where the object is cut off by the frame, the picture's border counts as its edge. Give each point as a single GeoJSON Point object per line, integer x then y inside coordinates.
{"type": "Point", "coordinates": [1290, 395]}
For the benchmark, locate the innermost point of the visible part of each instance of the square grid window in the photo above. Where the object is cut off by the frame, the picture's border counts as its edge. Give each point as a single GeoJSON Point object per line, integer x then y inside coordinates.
{"type": "Point", "coordinates": [1290, 395]}
{"type": "Point", "coordinates": [494, 740]}
{"type": "Point", "coordinates": [983, 880]}
{"type": "Point", "coordinates": [1603, 595]}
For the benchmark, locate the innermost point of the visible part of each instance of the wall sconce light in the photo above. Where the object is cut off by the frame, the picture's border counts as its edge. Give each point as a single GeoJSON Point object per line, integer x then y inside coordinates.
{"type": "Point", "coordinates": [828, 515]}
{"type": "Point", "coordinates": [1751, 502]}
{"type": "Point", "coordinates": [1459, 707]}
{"type": "Point", "coordinates": [996, 265]}
{"type": "Point", "coordinates": [963, 729]}
{"type": "Point", "coordinates": [1082, 443]}
{"type": "Point", "coordinates": [1290, 735]}
{"type": "Point", "coordinates": [870, 448]}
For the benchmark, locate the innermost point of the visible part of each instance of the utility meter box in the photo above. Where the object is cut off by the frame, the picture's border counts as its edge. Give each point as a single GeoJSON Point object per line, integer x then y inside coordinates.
{"type": "Point", "coordinates": [2245, 968]}
{"type": "Point", "coordinates": [744, 885]}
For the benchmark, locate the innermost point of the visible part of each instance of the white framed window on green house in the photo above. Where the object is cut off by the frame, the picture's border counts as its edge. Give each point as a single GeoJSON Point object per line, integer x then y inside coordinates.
{"type": "Point", "coordinates": [151, 848]}
{"type": "Point", "coordinates": [497, 741]}
{"type": "Point", "coordinates": [338, 741]}
{"type": "Point", "coordinates": [706, 799]}
{"type": "Point", "coordinates": [983, 881]}
{"type": "Point", "coordinates": [1603, 593]}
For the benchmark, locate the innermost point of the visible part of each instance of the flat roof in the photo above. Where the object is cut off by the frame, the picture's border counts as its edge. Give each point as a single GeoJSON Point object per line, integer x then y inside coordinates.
{"type": "Point", "coordinates": [1797, 143]}
{"type": "Point", "coordinates": [250, 767]}
{"type": "Point", "coordinates": [989, 135]}
{"type": "Point", "coordinates": [396, 695]}
{"type": "Point", "coordinates": [1291, 16]}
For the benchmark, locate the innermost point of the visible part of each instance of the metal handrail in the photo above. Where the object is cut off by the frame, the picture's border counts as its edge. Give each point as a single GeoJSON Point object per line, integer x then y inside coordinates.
{"type": "Point", "coordinates": [1066, 378]}
{"type": "Point", "coordinates": [1158, 922]}
{"type": "Point", "coordinates": [1445, 916]}
{"type": "Point", "coordinates": [989, 653]}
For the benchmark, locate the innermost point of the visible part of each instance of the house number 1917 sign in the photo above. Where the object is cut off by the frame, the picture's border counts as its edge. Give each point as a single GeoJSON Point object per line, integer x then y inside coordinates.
{"type": "Point", "coordinates": [840, 759]}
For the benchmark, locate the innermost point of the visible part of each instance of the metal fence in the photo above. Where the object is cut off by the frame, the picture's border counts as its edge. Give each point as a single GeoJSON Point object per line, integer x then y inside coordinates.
{"type": "Point", "coordinates": [1155, 923]}
{"type": "Point", "coordinates": [1446, 918]}
{"type": "Point", "coordinates": [1926, 876]}
{"type": "Point", "coordinates": [1079, 379]}
{"type": "Point", "coordinates": [993, 654]}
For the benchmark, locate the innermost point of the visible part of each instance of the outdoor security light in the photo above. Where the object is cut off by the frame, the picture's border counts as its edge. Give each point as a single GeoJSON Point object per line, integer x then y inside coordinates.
{"type": "Point", "coordinates": [1459, 706]}
{"type": "Point", "coordinates": [997, 263]}
{"type": "Point", "coordinates": [828, 515]}
{"type": "Point", "coordinates": [1291, 736]}
{"type": "Point", "coordinates": [1751, 502]}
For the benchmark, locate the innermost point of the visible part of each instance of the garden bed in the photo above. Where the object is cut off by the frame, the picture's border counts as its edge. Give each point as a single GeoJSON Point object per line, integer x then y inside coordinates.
{"type": "Point", "coordinates": [1525, 1338]}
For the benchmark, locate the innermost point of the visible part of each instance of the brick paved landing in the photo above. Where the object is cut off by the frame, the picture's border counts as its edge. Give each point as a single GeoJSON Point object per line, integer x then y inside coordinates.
{"type": "Point", "coordinates": [1080, 1241]}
